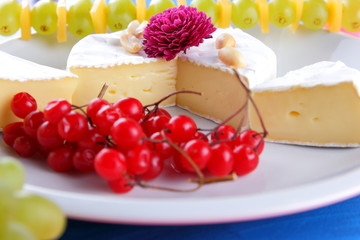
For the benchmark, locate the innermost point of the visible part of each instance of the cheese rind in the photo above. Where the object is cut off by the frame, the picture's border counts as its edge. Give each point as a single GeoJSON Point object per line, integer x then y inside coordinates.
{"type": "Point", "coordinates": [42, 82]}
{"type": "Point", "coordinates": [100, 58]}
{"type": "Point", "coordinates": [318, 105]}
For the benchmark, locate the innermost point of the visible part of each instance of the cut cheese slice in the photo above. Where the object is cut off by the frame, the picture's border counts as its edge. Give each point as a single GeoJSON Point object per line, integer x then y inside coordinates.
{"type": "Point", "coordinates": [316, 105]}
{"type": "Point", "coordinates": [150, 79]}
{"type": "Point", "coordinates": [42, 82]}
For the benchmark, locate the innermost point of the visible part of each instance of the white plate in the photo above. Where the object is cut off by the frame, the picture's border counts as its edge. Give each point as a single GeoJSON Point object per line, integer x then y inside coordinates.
{"type": "Point", "coordinates": [289, 179]}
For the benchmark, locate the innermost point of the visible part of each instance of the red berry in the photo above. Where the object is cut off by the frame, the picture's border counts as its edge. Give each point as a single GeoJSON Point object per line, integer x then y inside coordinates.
{"type": "Point", "coordinates": [110, 164]}
{"type": "Point", "coordinates": [120, 185]}
{"type": "Point", "coordinates": [92, 139]}
{"type": "Point", "coordinates": [158, 112]}
{"type": "Point", "coordinates": [223, 132]}
{"type": "Point", "coordinates": [32, 122]}
{"type": "Point", "coordinates": [13, 131]}
{"type": "Point", "coordinates": [221, 161]}
{"type": "Point", "coordinates": [155, 124]}
{"type": "Point", "coordinates": [47, 135]}
{"type": "Point", "coordinates": [106, 117]}
{"type": "Point", "coordinates": [72, 126]}
{"type": "Point", "coordinates": [126, 132]}
{"type": "Point", "coordinates": [130, 107]}
{"type": "Point", "coordinates": [182, 128]}
{"type": "Point", "coordinates": [56, 109]}
{"type": "Point", "coordinates": [22, 104]}
{"type": "Point", "coordinates": [245, 159]}
{"type": "Point", "coordinates": [138, 159]}
{"type": "Point", "coordinates": [94, 106]}
{"type": "Point", "coordinates": [163, 149]}
{"type": "Point", "coordinates": [25, 146]}
{"type": "Point", "coordinates": [60, 159]}
{"type": "Point", "coordinates": [83, 159]}
{"type": "Point", "coordinates": [252, 138]}
{"type": "Point", "coordinates": [155, 168]}
{"type": "Point", "coordinates": [201, 136]}
{"type": "Point", "coordinates": [199, 151]}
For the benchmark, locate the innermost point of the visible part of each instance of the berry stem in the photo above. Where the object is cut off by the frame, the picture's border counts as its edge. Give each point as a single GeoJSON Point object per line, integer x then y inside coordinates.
{"type": "Point", "coordinates": [103, 90]}
{"type": "Point", "coordinates": [248, 91]}
{"type": "Point", "coordinates": [170, 95]}
{"type": "Point", "coordinates": [209, 180]}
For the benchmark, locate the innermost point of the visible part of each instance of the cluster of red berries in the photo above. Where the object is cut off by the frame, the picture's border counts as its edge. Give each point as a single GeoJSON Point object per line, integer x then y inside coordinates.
{"type": "Point", "coordinates": [126, 141]}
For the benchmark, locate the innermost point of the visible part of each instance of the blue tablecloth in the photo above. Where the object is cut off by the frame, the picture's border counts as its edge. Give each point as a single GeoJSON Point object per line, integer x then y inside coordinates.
{"type": "Point", "coordinates": [339, 221]}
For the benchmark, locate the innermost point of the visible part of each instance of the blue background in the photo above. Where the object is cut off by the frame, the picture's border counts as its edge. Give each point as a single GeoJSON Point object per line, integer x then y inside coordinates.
{"type": "Point", "coordinates": [339, 221]}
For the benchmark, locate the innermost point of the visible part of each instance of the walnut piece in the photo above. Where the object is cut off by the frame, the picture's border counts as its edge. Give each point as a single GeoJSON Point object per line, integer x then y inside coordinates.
{"type": "Point", "coordinates": [232, 57]}
{"type": "Point", "coordinates": [225, 40]}
{"type": "Point", "coordinates": [130, 43]}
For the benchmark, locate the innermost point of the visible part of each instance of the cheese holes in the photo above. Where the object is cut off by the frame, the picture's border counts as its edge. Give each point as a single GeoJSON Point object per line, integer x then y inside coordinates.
{"type": "Point", "coordinates": [294, 114]}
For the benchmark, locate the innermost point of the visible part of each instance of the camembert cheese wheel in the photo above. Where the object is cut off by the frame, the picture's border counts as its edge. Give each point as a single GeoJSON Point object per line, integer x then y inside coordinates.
{"type": "Point", "coordinates": [316, 105]}
{"type": "Point", "coordinates": [42, 82]}
{"type": "Point", "coordinates": [99, 59]}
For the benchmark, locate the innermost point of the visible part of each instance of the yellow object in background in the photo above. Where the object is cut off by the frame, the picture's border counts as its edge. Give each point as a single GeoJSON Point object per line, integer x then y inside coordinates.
{"type": "Point", "coordinates": [61, 12]}
{"type": "Point", "coordinates": [140, 10]}
{"type": "Point", "coordinates": [298, 13]}
{"type": "Point", "coordinates": [335, 15]}
{"type": "Point", "coordinates": [181, 2]}
{"type": "Point", "coordinates": [224, 13]}
{"type": "Point", "coordinates": [25, 20]}
{"type": "Point", "coordinates": [263, 7]}
{"type": "Point", "coordinates": [98, 16]}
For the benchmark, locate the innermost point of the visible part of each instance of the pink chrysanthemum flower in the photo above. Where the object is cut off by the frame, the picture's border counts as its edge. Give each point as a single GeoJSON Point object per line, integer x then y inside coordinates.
{"type": "Point", "coordinates": [175, 30]}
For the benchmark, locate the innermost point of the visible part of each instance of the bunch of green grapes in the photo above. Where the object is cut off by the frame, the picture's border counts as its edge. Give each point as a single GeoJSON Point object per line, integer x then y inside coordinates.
{"type": "Point", "coordinates": [281, 12]}
{"type": "Point", "coordinates": [44, 17]}
{"type": "Point", "coordinates": [209, 7]}
{"type": "Point", "coordinates": [25, 216]}
{"type": "Point", "coordinates": [244, 13]}
{"type": "Point", "coordinates": [351, 15]}
{"type": "Point", "coordinates": [119, 13]}
{"type": "Point", "coordinates": [9, 17]}
{"type": "Point", "coordinates": [79, 19]}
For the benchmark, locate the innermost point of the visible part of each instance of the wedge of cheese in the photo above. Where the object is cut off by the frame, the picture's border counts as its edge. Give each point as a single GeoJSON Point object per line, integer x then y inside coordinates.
{"type": "Point", "coordinates": [99, 59]}
{"type": "Point", "coordinates": [316, 105]}
{"type": "Point", "coordinates": [42, 82]}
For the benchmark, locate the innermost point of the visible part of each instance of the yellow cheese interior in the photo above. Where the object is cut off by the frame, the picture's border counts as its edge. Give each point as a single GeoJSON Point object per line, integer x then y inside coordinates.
{"type": "Point", "coordinates": [43, 91]}
{"type": "Point", "coordinates": [318, 115]}
{"type": "Point", "coordinates": [147, 82]}
{"type": "Point", "coordinates": [222, 92]}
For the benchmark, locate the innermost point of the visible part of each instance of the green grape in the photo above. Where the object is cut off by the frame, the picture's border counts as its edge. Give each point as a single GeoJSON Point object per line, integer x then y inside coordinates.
{"type": "Point", "coordinates": [244, 13]}
{"type": "Point", "coordinates": [16, 231]}
{"type": "Point", "coordinates": [281, 12]}
{"type": "Point", "coordinates": [43, 217]}
{"type": "Point", "coordinates": [315, 14]}
{"type": "Point", "coordinates": [79, 19]}
{"type": "Point", "coordinates": [209, 7]}
{"type": "Point", "coordinates": [12, 173]}
{"type": "Point", "coordinates": [351, 15]}
{"type": "Point", "coordinates": [44, 17]}
{"type": "Point", "coordinates": [157, 6]}
{"type": "Point", "coordinates": [119, 13]}
{"type": "Point", "coordinates": [9, 17]}
{"type": "Point", "coordinates": [7, 204]}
